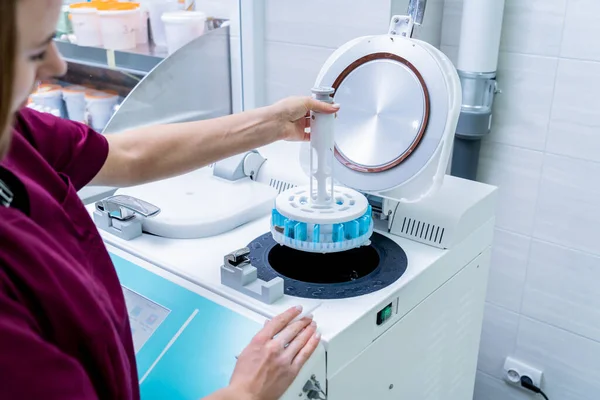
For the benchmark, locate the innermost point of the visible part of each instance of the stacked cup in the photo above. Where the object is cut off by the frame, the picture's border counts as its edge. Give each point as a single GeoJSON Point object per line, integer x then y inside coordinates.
{"type": "Point", "coordinates": [74, 97]}
{"type": "Point", "coordinates": [100, 107]}
{"type": "Point", "coordinates": [49, 96]}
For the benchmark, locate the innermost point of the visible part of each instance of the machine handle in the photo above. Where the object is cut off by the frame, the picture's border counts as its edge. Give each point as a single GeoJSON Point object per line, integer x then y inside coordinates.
{"type": "Point", "coordinates": [123, 207]}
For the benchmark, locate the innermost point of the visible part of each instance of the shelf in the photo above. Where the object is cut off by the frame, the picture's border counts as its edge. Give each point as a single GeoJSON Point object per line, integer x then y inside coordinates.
{"type": "Point", "coordinates": [138, 61]}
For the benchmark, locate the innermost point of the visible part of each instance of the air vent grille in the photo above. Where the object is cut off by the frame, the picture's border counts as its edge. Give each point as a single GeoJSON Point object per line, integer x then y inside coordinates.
{"type": "Point", "coordinates": [422, 230]}
{"type": "Point", "coordinates": [281, 186]}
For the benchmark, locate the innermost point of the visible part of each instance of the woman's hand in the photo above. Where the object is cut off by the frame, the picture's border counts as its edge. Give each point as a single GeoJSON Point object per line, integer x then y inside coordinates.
{"type": "Point", "coordinates": [293, 114]}
{"type": "Point", "coordinates": [269, 365]}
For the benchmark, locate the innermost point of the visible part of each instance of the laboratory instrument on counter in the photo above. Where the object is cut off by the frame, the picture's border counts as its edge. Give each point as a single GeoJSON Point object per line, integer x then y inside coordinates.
{"type": "Point", "coordinates": [400, 317]}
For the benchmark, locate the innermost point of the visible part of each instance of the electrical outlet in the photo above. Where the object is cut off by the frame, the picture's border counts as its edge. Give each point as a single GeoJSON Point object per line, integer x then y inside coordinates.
{"type": "Point", "coordinates": [514, 369]}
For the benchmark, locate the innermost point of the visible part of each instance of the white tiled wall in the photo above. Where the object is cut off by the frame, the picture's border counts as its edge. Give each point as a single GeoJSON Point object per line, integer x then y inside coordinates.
{"type": "Point", "coordinates": [575, 118]}
{"type": "Point", "coordinates": [509, 269]}
{"type": "Point", "coordinates": [301, 35]}
{"type": "Point", "coordinates": [516, 171]}
{"type": "Point", "coordinates": [544, 154]}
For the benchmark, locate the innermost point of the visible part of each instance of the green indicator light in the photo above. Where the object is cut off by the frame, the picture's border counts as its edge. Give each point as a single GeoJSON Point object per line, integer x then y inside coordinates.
{"type": "Point", "coordinates": [387, 312]}
{"type": "Point", "coordinates": [384, 314]}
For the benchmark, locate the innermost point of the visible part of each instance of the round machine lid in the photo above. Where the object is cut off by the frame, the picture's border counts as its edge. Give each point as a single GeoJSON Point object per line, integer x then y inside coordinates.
{"type": "Point", "coordinates": [198, 205]}
{"type": "Point", "coordinates": [394, 107]}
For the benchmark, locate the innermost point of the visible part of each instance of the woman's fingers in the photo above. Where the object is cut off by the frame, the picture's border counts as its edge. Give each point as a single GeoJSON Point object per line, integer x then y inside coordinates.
{"type": "Point", "coordinates": [277, 324]}
{"type": "Point", "coordinates": [307, 344]}
{"type": "Point", "coordinates": [291, 331]}
{"type": "Point", "coordinates": [321, 106]}
{"type": "Point", "coordinates": [300, 341]}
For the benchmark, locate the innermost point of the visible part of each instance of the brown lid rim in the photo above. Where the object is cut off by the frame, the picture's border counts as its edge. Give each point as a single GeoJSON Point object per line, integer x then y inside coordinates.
{"type": "Point", "coordinates": [383, 56]}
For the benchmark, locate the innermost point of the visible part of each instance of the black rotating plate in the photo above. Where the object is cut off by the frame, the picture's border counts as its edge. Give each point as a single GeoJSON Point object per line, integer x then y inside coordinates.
{"type": "Point", "coordinates": [329, 276]}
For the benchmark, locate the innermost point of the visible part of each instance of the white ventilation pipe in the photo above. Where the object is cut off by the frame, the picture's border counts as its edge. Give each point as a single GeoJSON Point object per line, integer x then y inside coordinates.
{"type": "Point", "coordinates": [479, 47]}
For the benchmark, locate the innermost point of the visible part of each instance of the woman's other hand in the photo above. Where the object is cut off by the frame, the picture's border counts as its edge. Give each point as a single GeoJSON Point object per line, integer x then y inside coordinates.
{"type": "Point", "coordinates": [269, 365]}
{"type": "Point", "coordinates": [293, 114]}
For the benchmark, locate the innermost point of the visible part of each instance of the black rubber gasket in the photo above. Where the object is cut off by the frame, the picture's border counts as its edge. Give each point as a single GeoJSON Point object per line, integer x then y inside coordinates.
{"type": "Point", "coordinates": [330, 276]}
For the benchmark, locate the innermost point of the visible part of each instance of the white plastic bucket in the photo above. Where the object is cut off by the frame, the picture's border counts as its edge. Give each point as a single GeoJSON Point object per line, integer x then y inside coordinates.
{"type": "Point", "coordinates": [74, 97]}
{"type": "Point", "coordinates": [142, 33]}
{"type": "Point", "coordinates": [120, 28]}
{"type": "Point", "coordinates": [100, 108]}
{"type": "Point", "coordinates": [156, 8]}
{"type": "Point", "coordinates": [86, 26]}
{"type": "Point", "coordinates": [49, 96]}
{"type": "Point", "coordinates": [182, 27]}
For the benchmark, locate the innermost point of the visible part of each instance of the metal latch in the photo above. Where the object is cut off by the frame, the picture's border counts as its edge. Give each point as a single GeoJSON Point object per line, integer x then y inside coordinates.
{"type": "Point", "coordinates": [313, 389]}
{"type": "Point", "coordinates": [6, 195]}
{"type": "Point", "coordinates": [237, 272]}
{"type": "Point", "coordinates": [403, 25]}
{"type": "Point", "coordinates": [238, 258]}
{"type": "Point", "coordinates": [123, 215]}
{"type": "Point", "coordinates": [124, 208]}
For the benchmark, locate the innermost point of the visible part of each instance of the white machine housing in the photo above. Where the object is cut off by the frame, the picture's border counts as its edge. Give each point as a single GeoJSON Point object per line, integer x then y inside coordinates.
{"type": "Point", "coordinates": [428, 349]}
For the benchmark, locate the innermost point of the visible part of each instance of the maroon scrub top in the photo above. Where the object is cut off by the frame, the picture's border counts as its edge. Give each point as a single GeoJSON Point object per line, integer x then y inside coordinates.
{"type": "Point", "coordinates": [64, 328]}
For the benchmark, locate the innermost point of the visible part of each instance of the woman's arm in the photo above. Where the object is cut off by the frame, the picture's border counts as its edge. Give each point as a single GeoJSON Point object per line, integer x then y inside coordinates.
{"type": "Point", "coordinates": [157, 152]}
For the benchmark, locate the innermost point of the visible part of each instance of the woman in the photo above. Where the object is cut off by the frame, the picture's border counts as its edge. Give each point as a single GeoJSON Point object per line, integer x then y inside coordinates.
{"type": "Point", "coordinates": [64, 329]}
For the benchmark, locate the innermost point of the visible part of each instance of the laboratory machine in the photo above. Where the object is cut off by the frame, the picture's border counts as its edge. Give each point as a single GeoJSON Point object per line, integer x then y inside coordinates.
{"type": "Point", "coordinates": [361, 226]}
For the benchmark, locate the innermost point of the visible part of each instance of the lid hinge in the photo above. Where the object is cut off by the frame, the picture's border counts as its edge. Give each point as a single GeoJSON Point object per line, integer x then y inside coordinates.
{"type": "Point", "coordinates": [403, 25]}
{"type": "Point", "coordinates": [245, 165]}
{"type": "Point", "coordinates": [383, 209]}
